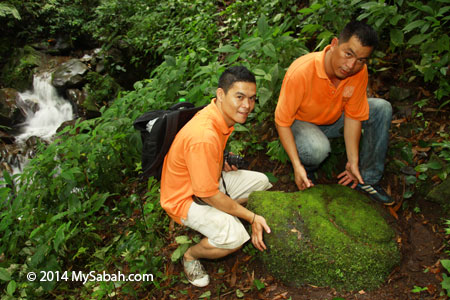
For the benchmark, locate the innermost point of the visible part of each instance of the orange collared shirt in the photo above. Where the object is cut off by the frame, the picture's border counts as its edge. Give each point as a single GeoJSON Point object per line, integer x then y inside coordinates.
{"type": "Point", "coordinates": [307, 94]}
{"type": "Point", "coordinates": [194, 162]}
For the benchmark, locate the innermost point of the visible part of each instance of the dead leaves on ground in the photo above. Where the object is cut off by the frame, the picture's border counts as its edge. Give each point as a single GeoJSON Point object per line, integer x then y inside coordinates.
{"type": "Point", "coordinates": [229, 279]}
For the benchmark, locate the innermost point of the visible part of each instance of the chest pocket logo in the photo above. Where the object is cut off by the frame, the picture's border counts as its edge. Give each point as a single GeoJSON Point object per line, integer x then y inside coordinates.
{"type": "Point", "coordinates": [348, 92]}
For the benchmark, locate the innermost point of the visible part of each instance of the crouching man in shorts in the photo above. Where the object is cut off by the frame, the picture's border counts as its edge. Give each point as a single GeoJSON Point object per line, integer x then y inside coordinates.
{"type": "Point", "coordinates": [199, 191]}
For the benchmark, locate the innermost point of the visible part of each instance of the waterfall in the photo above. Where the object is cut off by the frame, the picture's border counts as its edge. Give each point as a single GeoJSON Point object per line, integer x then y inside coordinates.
{"type": "Point", "coordinates": [52, 110]}
{"type": "Point", "coordinates": [45, 111]}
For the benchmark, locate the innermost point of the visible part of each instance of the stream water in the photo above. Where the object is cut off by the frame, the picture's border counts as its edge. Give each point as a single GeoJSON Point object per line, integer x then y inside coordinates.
{"type": "Point", "coordinates": [45, 111]}
{"type": "Point", "coordinates": [52, 111]}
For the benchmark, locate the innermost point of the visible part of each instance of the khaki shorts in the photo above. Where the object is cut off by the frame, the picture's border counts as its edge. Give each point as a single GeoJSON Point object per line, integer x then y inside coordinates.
{"type": "Point", "coordinates": [223, 230]}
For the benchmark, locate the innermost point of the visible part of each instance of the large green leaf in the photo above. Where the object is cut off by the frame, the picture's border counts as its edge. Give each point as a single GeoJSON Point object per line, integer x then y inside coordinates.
{"type": "Point", "coordinates": [270, 50]}
{"type": "Point", "coordinates": [396, 37]}
{"type": "Point", "coordinates": [446, 264]}
{"type": "Point", "coordinates": [263, 27]}
{"type": "Point", "coordinates": [417, 39]}
{"type": "Point", "coordinates": [59, 236]}
{"type": "Point", "coordinates": [4, 274]}
{"type": "Point", "coordinates": [11, 288]}
{"type": "Point", "coordinates": [415, 24]}
{"type": "Point", "coordinates": [434, 165]}
{"type": "Point", "coordinates": [227, 49]}
{"type": "Point", "coordinates": [264, 96]}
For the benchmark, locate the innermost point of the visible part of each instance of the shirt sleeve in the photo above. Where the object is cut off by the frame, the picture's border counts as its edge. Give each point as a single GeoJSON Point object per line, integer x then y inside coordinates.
{"type": "Point", "coordinates": [203, 161]}
{"type": "Point", "coordinates": [289, 101]}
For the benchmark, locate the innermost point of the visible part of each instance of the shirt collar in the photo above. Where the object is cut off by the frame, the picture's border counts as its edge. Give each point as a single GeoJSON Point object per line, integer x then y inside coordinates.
{"type": "Point", "coordinates": [223, 127]}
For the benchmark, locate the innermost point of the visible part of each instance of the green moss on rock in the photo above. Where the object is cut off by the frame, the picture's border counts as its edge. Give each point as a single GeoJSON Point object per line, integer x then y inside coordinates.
{"type": "Point", "coordinates": [328, 235]}
{"type": "Point", "coordinates": [101, 89]}
{"type": "Point", "coordinates": [18, 72]}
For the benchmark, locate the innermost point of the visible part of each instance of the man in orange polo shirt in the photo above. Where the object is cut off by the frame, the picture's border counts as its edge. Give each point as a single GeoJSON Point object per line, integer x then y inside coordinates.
{"type": "Point", "coordinates": [325, 91]}
{"type": "Point", "coordinates": [199, 191]}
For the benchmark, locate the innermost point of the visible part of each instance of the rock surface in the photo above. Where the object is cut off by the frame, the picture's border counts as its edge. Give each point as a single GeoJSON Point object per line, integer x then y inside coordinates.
{"type": "Point", "coordinates": [328, 235]}
{"type": "Point", "coordinates": [69, 74]}
{"type": "Point", "coordinates": [441, 194]}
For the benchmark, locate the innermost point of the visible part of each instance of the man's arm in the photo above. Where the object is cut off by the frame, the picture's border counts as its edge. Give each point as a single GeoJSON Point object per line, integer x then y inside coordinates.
{"type": "Point", "coordinates": [288, 142]}
{"type": "Point", "coordinates": [352, 134]}
{"type": "Point", "coordinates": [226, 204]}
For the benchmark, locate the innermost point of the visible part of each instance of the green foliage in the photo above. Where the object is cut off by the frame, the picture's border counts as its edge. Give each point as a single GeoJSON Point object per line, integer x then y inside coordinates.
{"type": "Point", "coordinates": [151, 29]}
{"type": "Point", "coordinates": [418, 289]}
{"type": "Point", "coordinates": [259, 285]}
{"type": "Point", "coordinates": [184, 243]}
{"type": "Point", "coordinates": [415, 27]}
{"type": "Point", "coordinates": [101, 90]}
{"type": "Point", "coordinates": [445, 284]}
{"type": "Point", "coordinates": [445, 278]}
{"type": "Point", "coordinates": [66, 16]}
{"type": "Point", "coordinates": [443, 149]}
{"type": "Point", "coordinates": [51, 18]}
{"type": "Point", "coordinates": [78, 204]}
{"type": "Point", "coordinates": [267, 50]}
{"type": "Point", "coordinates": [18, 71]}
{"type": "Point", "coordinates": [8, 9]}
{"type": "Point", "coordinates": [277, 152]}
{"type": "Point", "coordinates": [416, 30]}
{"type": "Point", "coordinates": [319, 21]}
{"type": "Point", "coordinates": [418, 174]}
{"type": "Point", "coordinates": [68, 197]}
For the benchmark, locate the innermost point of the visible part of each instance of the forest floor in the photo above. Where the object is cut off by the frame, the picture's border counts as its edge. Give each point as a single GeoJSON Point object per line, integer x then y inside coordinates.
{"type": "Point", "coordinates": [419, 225]}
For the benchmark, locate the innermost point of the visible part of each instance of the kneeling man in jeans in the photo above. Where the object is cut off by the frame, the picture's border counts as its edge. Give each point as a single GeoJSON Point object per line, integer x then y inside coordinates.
{"type": "Point", "coordinates": [199, 191]}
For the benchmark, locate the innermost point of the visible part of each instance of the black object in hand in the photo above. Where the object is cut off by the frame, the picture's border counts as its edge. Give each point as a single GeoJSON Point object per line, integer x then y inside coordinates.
{"type": "Point", "coordinates": [234, 160]}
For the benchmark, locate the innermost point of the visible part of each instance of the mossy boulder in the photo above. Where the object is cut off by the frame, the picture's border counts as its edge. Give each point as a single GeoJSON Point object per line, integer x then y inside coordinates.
{"type": "Point", "coordinates": [18, 72]}
{"type": "Point", "coordinates": [441, 194]}
{"type": "Point", "coordinates": [329, 235]}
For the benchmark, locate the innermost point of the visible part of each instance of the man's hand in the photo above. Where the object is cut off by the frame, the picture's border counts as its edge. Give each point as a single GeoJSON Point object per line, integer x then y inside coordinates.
{"type": "Point", "coordinates": [259, 224]}
{"type": "Point", "coordinates": [227, 167]}
{"type": "Point", "coordinates": [288, 142]}
{"type": "Point", "coordinates": [351, 174]}
{"type": "Point", "coordinates": [301, 179]}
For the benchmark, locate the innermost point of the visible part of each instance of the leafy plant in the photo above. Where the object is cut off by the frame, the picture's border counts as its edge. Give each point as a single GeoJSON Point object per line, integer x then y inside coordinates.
{"type": "Point", "coordinates": [277, 152]}
{"type": "Point", "coordinates": [445, 278]}
{"type": "Point", "coordinates": [259, 284]}
{"type": "Point", "coordinates": [184, 243]}
{"type": "Point", "coordinates": [319, 21]}
{"type": "Point", "coordinates": [101, 90]}
{"type": "Point", "coordinates": [79, 202]}
{"type": "Point", "coordinates": [445, 284]}
{"type": "Point", "coordinates": [418, 289]}
{"type": "Point", "coordinates": [415, 26]}
{"type": "Point", "coordinates": [8, 9]}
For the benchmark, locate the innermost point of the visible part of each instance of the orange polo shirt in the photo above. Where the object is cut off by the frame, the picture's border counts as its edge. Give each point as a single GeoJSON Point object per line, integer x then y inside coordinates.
{"type": "Point", "coordinates": [307, 94]}
{"type": "Point", "coordinates": [194, 162]}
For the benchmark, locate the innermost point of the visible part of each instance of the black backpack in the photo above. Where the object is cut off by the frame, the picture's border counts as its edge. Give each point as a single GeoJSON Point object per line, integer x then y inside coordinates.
{"type": "Point", "coordinates": [158, 128]}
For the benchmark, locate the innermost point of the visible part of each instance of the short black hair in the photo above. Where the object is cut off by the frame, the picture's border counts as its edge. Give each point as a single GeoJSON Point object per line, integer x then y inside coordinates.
{"type": "Point", "coordinates": [235, 74]}
{"type": "Point", "coordinates": [365, 34]}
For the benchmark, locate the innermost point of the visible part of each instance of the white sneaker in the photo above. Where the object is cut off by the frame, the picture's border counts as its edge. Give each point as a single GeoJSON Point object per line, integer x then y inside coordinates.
{"type": "Point", "coordinates": [195, 273]}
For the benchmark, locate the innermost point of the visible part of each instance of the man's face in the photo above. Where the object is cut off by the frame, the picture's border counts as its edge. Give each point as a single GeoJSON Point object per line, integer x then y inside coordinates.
{"type": "Point", "coordinates": [238, 102]}
{"type": "Point", "coordinates": [347, 58]}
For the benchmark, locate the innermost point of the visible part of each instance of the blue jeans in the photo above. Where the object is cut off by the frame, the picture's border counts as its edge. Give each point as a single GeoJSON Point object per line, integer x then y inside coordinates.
{"type": "Point", "coordinates": [313, 145]}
